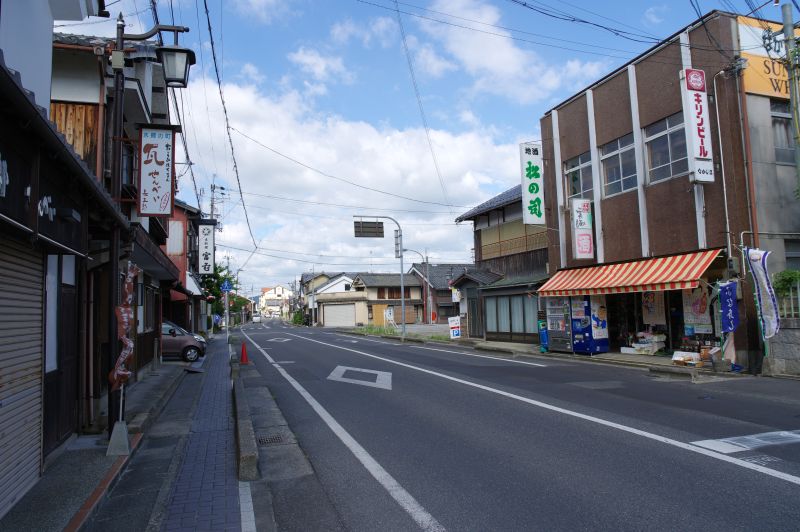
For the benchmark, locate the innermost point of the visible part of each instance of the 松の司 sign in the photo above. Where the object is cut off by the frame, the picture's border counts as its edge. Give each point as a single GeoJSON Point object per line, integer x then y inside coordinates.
{"type": "Point", "coordinates": [156, 172]}
{"type": "Point", "coordinates": [582, 236]}
{"type": "Point", "coordinates": [697, 125]}
{"type": "Point", "coordinates": [530, 156]}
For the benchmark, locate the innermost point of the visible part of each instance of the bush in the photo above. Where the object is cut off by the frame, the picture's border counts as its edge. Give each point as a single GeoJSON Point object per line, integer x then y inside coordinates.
{"type": "Point", "coordinates": [784, 281]}
{"type": "Point", "coordinates": [297, 318]}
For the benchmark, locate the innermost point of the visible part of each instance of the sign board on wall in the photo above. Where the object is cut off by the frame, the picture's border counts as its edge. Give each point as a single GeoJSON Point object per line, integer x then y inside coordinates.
{"type": "Point", "coordinates": [205, 248]}
{"type": "Point", "coordinates": [697, 125]}
{"type": "Point", "coordinates": [455, 327]}
{"type": "Point", "coordinates": [156, 172]}
{"type": "Point", "coordinates": [530, 156]}
{"type": "Point", "coordinates": [582, 236]}
{"type": "Point", "coordinates": [765, 73]}
{"type": "Point", "coordinates": [696, 317]}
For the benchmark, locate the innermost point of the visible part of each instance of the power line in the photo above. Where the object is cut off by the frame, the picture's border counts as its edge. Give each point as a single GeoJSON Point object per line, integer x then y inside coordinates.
{"type": "Point", "coordinates": [342, 179]}
{"type": "Point", "coordinates": [309, 202]}
{"type": "Point", "coordinates": [227, 121]}
{"type": "Point", "coordinates": [339, 218]}
{"type": "Point", "coordinates": [419, 103]}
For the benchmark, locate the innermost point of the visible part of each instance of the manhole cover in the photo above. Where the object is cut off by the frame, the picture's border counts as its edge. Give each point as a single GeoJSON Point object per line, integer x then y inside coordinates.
{"type": "Point", "coordinates": [270, 440]}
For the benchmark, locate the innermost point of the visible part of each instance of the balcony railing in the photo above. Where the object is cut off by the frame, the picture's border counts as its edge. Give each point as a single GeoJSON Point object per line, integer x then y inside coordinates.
{"type": "Point", "coordinates": [789, 304]}
{"type": "Point", "coordinates": [514, 245]}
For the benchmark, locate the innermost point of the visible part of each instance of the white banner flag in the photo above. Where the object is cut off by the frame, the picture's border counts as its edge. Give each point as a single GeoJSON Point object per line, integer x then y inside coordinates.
{"type": "Point", "coordinates": [765, 295]}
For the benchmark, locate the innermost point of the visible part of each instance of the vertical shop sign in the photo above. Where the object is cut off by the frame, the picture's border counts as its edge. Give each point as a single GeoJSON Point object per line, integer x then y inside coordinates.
{"type": "Point", "coordinates": [697, 125]}
{"type": "Point", "coordinates": [156, 171]}
{"type": "Point", "coordinates": [206, 249]}
{"type": "Point", "coordinates": [765, 295]}
{"type": "Point", "coordinates": [729, 310]}
{"type": "Point", "coordinates": [582, 237]}
{"type": "Point", "coordinates": [530, 156]}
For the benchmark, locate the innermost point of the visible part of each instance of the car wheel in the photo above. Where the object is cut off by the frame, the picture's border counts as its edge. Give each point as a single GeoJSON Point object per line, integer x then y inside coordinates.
{"type": "Point", "coordinates": [190, 354]}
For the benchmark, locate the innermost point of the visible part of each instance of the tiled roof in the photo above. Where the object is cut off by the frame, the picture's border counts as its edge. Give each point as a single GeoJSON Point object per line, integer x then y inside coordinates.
{"type": "Point", "coordinates": [439, 273]}
{"type": "Point", "coordinates": [482, 277]}
{"type": "Point", "coordinates": [137, 49]}
{"type": "Point", "coordinates": [508, 197]}
{"type": "Point", "coordinates": [387, 279]}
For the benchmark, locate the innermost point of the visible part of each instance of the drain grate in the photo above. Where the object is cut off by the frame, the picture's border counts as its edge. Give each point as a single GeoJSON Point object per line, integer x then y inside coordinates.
{"type": "Point", "coordinates": [270, 440]}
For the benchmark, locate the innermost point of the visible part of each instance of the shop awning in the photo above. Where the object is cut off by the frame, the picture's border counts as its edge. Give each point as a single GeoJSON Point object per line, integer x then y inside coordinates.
{"type": "Point", "coordinates": [675, 272]}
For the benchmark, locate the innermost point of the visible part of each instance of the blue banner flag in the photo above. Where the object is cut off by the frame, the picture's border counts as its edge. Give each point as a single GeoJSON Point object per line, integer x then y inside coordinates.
{"type": "Point", "coordinates": [728, 306]}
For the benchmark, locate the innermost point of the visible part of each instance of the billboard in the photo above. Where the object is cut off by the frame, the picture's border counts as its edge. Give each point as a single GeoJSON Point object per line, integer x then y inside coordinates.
{"type": "Point", "coordinates": [530, 155]}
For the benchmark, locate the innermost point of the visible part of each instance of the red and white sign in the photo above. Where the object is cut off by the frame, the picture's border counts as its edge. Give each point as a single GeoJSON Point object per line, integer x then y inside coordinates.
{"type": "Point", "coordinates": [454, 323]}
{"type": "Point", "coordinates": [156, 172]}
{"type": "Point", "coordinates": [697, 125]}
{"type": "Point", "coordinates": [582, 236]}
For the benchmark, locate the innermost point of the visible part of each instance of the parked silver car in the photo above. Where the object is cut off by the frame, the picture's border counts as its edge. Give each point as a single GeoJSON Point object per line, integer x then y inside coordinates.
{"type": "Point", "coordinates": [175, 340]}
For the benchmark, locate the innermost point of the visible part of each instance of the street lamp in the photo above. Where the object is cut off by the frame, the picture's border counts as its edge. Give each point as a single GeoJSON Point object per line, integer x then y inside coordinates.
{"type": "Point", "coordinates": [428, 303]}
{"type": "Point", "coordinates": [176, 62]}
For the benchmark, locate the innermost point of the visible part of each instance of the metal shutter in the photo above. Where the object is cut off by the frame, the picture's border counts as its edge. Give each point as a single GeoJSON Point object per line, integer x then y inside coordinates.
{"type": "Point", "coordinates": [21, 295]}
{"type": "Point", "coordinates": [339, 315]}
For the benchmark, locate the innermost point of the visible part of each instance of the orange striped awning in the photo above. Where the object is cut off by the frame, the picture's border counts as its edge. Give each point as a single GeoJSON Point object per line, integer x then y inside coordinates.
{"type": "Point", "coordinates": [675, 272]}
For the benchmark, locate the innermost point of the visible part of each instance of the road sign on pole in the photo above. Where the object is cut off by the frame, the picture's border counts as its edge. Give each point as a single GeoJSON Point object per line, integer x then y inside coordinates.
{"type": "Point", "coordinates": [368, 229]}
{"type": "Point", "coordinates": [226, 286]}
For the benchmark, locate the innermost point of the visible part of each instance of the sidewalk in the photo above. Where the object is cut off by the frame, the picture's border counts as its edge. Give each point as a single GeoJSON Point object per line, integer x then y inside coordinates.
{"type": "Point", "coordinates": [80, 474]}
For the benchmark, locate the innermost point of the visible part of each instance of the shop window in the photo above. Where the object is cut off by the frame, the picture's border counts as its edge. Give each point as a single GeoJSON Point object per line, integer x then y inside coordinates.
{"type": "Point", "coordinates": [579, 176]}
{"type": "Point", "coordinates": [517, 314]}
{"type": "Point", "coordinates": [503, 314]}
{"type": "Point", "coordinates": [531, 314]}
{"type": "Point", "coordinates": [782, 134]}
{"type": "Point", "coordinates": [792, 248]}
{"type": "Point", "coordinates": [618, 164]}
{"type": "Point", "coordinates": [665, 143]}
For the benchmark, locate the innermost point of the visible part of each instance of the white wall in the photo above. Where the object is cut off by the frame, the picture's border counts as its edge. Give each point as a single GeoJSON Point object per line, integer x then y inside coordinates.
{"type": "Point", "coordinates": [26, 37]}
{"type": "Point", "coordinates": [336, 286]}
{"type": "Point", "coordinates": [75, 77]}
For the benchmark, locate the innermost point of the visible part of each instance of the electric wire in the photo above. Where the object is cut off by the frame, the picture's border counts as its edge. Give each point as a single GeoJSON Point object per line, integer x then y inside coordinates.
{"type": "Point", "coordinates": [362, 263]}
{"type": "Point", "coordinates": [337, 178]}
{"type": "Point", "coordinates": [227, 121]}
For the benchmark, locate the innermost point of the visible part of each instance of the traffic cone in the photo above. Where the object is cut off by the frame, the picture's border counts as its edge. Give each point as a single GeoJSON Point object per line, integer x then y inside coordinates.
{"type": "Point", "coordinates": [244, 359]}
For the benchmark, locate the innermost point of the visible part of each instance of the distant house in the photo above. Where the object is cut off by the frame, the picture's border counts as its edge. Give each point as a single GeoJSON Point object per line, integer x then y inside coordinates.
{"type": "Point", "coordinates": [274, 300]}
{"type": "Point", "coordinates": [437, 293]}
{"type": "Point", "coordinates": [383, 295]}
{"type": "Point", "coordinates": [339, 304]}
{"type": "Point", "coordinates": [511, 263]}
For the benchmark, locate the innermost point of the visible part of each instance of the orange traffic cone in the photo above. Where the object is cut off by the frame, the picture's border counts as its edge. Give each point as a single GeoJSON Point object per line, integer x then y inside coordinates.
{"type": "Point", "coordinates": [244, 359]}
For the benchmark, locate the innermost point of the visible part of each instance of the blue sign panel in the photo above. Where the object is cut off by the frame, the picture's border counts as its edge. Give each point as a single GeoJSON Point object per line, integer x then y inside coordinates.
{"type": "Point", "coordinates": [226, 286]}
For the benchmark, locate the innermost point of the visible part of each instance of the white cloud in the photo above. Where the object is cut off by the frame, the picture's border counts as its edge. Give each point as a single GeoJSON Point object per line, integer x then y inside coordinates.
{"type": "Point", "coordinates": [265, 11]}
{"type": "Point", "coordinates": [497, 65]}
{"type": "Point", "coordinates": [654, 16]}
{"type": "Point", "coordinates": [251, 73]}
{"type": "Point", "coordinates": [382, 29]}
{"type": "Point", "coordinates": [474, 166]}
{"type": "Point", "coordinates": [322, 68]}
{"type": "Point", "coordinates": [427, 60]}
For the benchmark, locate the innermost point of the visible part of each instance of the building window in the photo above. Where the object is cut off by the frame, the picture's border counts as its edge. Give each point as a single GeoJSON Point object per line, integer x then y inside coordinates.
{"type": "Point", "coordinates": [579, 176]}
{"type": "Point", "coordinates": [782, 131]}
{"type": "Point", "coordinates": [666, 148]}
{"type": "Point", "coordinates": [792, 249]}
{"type": "Point", "coordinates": [347, 287]}
{"type": "Point", "coordinates": [618, 163]}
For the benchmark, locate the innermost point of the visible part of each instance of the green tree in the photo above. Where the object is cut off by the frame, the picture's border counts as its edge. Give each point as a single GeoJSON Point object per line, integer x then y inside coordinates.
{"type": "Point", "coordinates": [212, 286]}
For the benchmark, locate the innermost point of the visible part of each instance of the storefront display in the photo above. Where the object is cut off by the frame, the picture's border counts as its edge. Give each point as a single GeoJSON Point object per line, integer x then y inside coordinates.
{"type": "Point", "coordinates": [558, 324]}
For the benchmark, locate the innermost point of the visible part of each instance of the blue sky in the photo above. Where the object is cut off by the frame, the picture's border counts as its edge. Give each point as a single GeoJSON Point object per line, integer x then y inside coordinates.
{"type": "Point", "coordinates": [326, 84]}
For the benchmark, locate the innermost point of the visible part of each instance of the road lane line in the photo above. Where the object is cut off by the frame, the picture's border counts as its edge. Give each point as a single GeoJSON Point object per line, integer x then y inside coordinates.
{"type": "Point", "coordinates": [481, 356]}
{"type": "Point", "coordinates": [738, 444]}
{"type": "Point", "coordinates": [611, 424]}
{"type": "Point", "coordinates": [406, 501]}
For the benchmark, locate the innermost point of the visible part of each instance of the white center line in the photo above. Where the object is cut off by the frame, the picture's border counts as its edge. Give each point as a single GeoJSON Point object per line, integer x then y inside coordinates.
{"type": "Point", "coordinates": [631, 430]}
{"type": "Point", "coordinates": [419, 514]}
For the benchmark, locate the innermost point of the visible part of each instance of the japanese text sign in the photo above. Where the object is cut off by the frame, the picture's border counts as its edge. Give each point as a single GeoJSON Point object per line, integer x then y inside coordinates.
{"type": "Point", "coordinates": [156, 172]}
{"type": "Point", "coordinates": [205, 249]}
{"type": "Point", "coordinates": [582, 235]}
{"type": "Point", "coordinates": [530, 155]}
{"type": "Point", "coordinates": [697, 125]}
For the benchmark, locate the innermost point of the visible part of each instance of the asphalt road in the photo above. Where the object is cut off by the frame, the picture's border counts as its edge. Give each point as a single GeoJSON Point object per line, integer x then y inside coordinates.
{"type": "Point", "coordinates": [409, 437]}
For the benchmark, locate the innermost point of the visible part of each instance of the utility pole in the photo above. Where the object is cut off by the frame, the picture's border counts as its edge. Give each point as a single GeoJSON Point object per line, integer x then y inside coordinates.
{"type": "Point", "coordinates": [792, 70]}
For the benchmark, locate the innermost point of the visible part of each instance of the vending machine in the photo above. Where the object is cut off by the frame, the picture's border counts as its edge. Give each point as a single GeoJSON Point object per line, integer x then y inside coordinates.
{"type": "Point", "coordinates": [559, 331]}
{"type": "Point", "coordinates": [589, 324]}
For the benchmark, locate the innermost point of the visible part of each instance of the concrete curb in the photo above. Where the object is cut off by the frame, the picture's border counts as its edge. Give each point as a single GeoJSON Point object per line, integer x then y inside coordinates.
{"type": "Point", "coordinates": [107, 483]}
{"type": "Point", "coordinates": [246, 446]}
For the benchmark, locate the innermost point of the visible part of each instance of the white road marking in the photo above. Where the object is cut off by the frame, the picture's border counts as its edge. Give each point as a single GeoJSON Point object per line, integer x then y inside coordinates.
{"type": "Point", "coordinates": [246, 511]}
{"type": "Point", "coordinates": [383, 379]}
{"type": "Point", "coordinates": [406, 501]}
{"type": "Point", "coordinates": [483, 356]}
{"type": "Point", "coordinates": [738, 444]}
{"type": "Point", "coordinates": [375, 341]}
{"type": "Point", "coordinates": [279, 340]}
{"type": "Point", "coordinates": [611, 424]}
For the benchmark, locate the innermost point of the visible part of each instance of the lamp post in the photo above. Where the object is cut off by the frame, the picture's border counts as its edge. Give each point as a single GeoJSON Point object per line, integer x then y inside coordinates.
{"type": "Point", "coordinates": [427, 284]}
{"type": "Point", "coordinates": [398, 246]}
{"type": "Point", "coordinates": [176, 62]}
